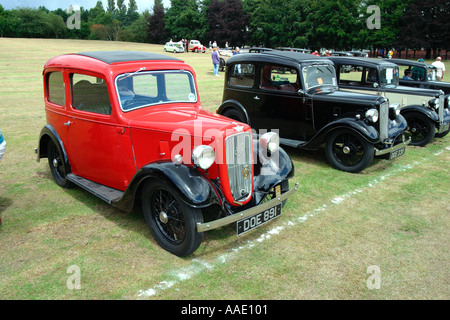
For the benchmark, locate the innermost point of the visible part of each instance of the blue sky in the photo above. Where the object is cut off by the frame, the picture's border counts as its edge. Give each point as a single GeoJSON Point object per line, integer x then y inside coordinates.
{"type": "Point", "coordinates": [64, 4]}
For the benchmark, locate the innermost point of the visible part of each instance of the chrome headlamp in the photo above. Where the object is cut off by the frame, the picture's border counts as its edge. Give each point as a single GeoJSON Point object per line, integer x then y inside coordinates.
{"type": "Point", "coordinates": [270, 141]}
{"type": "Point", "coordinates": [394, 110]}
{"type": "Point", "coordinates": [434, 104]}
{"type": "Point", "coordinates": [203, 156]}
{"type": "Point", "coordinates": [372, 115]}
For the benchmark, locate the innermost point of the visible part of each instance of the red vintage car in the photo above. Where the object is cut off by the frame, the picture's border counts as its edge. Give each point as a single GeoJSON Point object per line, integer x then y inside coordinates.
{"type": "Point", "coordinates": [129, 126]}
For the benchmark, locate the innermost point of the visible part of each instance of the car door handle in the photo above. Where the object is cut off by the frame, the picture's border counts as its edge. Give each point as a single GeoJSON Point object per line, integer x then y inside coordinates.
{"type": "Point", "coordinates": [68, 123]}
{"type": "Point", "coordinates": [256, 98]}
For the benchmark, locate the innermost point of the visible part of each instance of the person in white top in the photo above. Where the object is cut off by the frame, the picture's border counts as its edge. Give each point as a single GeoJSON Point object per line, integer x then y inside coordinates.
{"type": "Point", "coordinates": [440, 66]}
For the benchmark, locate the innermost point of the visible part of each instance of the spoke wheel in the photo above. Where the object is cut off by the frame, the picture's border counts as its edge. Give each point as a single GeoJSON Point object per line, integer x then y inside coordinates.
{"type": "Point", "coordinates": [172, 223]}
{"type": "Point", "coordinates": [420, 128]}
{"type": "Point", "coordinates": [57, 165]}
{"type": "Point", "coordinates": [348, 151]}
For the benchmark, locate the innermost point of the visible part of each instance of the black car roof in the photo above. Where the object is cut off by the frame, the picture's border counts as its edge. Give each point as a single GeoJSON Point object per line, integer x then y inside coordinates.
{"type": "Point", "coordinates": [407, 62]}
{"type": "Point", "coordinates": [277, 56]}
{"type": "Point", "coordinates": [366, 62]}
{"type": "Point", "coordinates": [124, 56]}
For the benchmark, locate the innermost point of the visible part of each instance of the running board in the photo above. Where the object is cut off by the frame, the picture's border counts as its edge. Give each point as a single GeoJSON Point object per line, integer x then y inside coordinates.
{"type": "Point", "coordinates": [291, 143]}
{"type": "Point", "coordinates": [103, 192]}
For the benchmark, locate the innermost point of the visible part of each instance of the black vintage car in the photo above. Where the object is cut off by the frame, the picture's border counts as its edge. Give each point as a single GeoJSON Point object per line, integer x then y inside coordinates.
{"type": "Point", "coordinates": [297, 94]}
{"type": "Point", "coordinates": [422, 75]}
{"type": "Point", "coordinates": [426, 110]}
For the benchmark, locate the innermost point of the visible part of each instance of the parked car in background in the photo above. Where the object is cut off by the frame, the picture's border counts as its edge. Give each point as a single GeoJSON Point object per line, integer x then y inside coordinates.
{"type": "Point", "coordinates": [359, 54]}
{"type": "Point", "coordinates": [128, 126]}
{"type": "Point", "coordinates": [196, 46]}
{"type": "Point", "coordinates": [425, 110]}
{"type": "Point", "coordinates": [175, 47]}
{"type": "Point", "coordinates": [297, 94]}
{"type": "Point", "coordinates": [423, 75]}
{"type": "Point", "coordinates": [341, 54]}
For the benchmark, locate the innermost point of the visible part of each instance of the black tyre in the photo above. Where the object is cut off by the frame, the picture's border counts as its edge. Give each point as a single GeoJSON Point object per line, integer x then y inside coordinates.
{"type": "Point", "coordinates": [420, 128]}
{"type": "Point", "coordinates": [172, 223]}
{"type": "Point", "coordinates": [57, 166]}
{"type": "Point", "coordinates": [348, 151]}
{"type": "Point", "coordinates": [234, 114]}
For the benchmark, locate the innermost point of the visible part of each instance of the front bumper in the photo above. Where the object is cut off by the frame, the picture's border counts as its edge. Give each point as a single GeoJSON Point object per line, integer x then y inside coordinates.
{"type": "Point", "coordinates": [393, 148]}
{"type": "Point", "coordinates": [202, 227]}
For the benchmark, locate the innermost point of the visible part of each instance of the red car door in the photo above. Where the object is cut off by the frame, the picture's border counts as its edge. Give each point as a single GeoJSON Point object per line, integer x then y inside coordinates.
{"type": "Point", "coordinates": [96, 141]}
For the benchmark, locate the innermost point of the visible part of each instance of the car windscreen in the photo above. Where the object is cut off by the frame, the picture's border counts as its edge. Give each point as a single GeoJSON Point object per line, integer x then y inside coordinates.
{"type": "Point", "coordinates": [141, 89]}
{"type": "Point", "coordinates": [389, 77]}
{"type": "Point", "coordinates": [321, 77]}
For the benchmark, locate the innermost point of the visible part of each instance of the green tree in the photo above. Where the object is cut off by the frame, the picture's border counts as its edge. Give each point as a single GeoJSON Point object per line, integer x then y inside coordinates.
{"type": "Point", "coordinates": [227, 22]}
{"type": "Point", "coordinates": [156, 30]}
{"type": "Point", "coordinates": [184, 19]}
{"type": "Point", "coordinates": [391, 12]}
{"type": "Point", "coordinates": [335, 24]}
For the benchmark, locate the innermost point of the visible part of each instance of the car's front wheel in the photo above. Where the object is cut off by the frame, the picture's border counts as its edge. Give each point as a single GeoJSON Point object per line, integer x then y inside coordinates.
{"type": "Point", "coordinates": [172, 222]}
{"type": "Point", "coordinates": [234, 114]}
{"type": "Point", "coordinates": [420, 128]}
{"type": "Point", "coordinates": [348, 151]}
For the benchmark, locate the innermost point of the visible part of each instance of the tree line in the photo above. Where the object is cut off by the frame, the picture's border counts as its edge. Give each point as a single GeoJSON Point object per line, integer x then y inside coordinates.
{"type": "Point", "coordinates": [314, 24]}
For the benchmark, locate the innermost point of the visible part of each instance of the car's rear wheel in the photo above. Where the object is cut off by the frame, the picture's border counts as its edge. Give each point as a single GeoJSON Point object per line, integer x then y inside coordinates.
{"type": "Point", "coordinates": [420, 128]}
{"type": "Point", "coordinates": [57, 165]}
{"type": "Point", "coordinates": [348, 151]}
{"type": "Point", "coordinates": [171, 221]}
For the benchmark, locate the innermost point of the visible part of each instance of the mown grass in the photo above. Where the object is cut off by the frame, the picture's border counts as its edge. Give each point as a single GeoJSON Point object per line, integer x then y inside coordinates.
{"type": "Point", "coordinates": [393, 215]}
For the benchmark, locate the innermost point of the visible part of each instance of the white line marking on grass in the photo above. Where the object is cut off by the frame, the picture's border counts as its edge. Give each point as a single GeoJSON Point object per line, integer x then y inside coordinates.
{"type": "Point", "coordinates": [197, 265]}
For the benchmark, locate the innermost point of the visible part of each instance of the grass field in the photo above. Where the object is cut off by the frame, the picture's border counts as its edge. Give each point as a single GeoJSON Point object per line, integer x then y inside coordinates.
{"type": "Point", "coordinates": [334, 232]}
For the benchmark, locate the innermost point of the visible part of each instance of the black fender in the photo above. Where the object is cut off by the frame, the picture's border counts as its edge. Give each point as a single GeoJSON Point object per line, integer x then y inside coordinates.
{"type": "Point", "coordinates": [194, 189]}
{"type": "Point", "coordinates": [48, 133]}
{"type": "Point", "coordinates": [431, 114]}
{"type": "Point", "coordinates": [368, 132]}
{"type": "Point", "coordinates": [234, 104]}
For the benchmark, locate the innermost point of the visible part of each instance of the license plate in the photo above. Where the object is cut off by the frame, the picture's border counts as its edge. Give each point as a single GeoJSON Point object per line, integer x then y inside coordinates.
{"type": "Point", "coordinates": [397, 153]}
{"type": "Point", "coordinates": [258, 219]}
{"type": "Point", "coordinates": [444, 128]}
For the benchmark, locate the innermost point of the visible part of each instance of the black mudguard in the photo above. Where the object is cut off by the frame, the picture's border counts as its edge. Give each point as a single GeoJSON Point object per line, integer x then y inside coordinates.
{"type": "Point", "coordinates": [194, 189]}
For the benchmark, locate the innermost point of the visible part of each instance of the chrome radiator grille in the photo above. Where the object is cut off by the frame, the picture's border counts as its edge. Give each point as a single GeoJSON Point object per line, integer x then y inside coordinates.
{"type": "Point", "coordinates": [441, 108]}
{"type": "Point", "coordinates": [384, 120]}
{"type": "Point", "coordinates": [239, 164]}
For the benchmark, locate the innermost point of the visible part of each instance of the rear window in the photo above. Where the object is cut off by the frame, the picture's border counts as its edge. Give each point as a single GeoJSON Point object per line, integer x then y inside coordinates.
{"type": "Point", "coordinates": [55, 85]}
{"type": "Point", "coordinates": [242, 75]}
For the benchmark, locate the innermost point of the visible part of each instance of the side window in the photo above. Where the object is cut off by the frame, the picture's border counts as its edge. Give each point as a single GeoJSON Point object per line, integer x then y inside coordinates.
{"type": "Point", "coordinates": [55, 86]}
{"type": "Point", "coordinates": [350, 75]}
{"type": "Point", "coordinates": [279, 78]}
{"type": "Point", "coordinates": [90, 94]}
{"type": "Point", "coordinates": [242, 75]}
{"type": "Point", "coordinates": [372, 76]}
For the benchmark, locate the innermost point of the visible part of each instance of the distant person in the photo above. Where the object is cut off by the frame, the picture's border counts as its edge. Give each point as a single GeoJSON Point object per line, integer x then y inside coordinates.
{"type": "Point", "coordinates": [236, 51]}
{"type": "Point", "coordinates": [316, 53]}
{"type": "Point", "coordinates": [2, 145]}
{"type": "Point", "coordinates": [215, 61]}
{"type": "Point", "coordinates": [407, 75]}
{"type": "Point", "coordinates": [440, 66]}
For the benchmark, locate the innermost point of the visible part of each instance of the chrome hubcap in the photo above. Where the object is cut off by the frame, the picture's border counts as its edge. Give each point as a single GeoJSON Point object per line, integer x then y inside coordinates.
{"type": "Point", "coordinates": [163, 217]}
{"type": "Point", "coordinates": [346, 150]}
